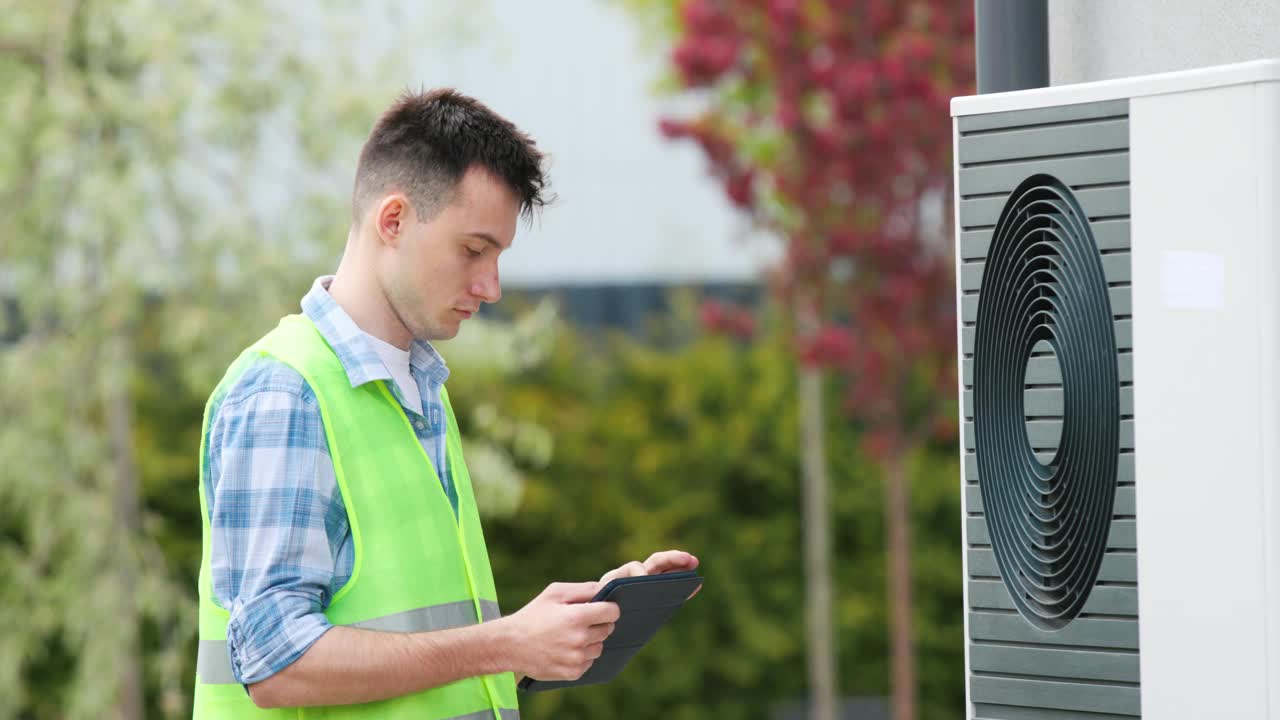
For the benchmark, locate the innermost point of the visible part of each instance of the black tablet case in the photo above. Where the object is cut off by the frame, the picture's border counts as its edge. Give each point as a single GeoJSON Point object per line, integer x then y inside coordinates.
{"type": "Point", "coordinates": [647, 602]}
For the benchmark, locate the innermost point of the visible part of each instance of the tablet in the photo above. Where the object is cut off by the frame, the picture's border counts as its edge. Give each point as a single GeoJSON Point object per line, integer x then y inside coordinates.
{"type": "Point", "coordinates": [647, 602]}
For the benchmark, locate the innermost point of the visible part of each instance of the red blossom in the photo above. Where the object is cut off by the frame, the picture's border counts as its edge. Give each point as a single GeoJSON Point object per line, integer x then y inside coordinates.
{"type": "Point", "coordinates": [858, 91]}
{"type": "Point", "coordinates": [718, 318]}
{"type": "Point", "coordinates": [945, 428]}
{"type": "Point", "coordinates": [672, 129]}
{"type": "Point", "coordinates": [832, 346]}
{"type": "Point", "coordinates": [711, 315]}
{"type": "Point", "coordinates": [702, 16]}
{"type": "Point", "coordinates": [854, 83]}
{"type": "Point", "coordinates": [879, 443]}
{"type": "Point", "coordinates": [784, 13]}
{"type": "Point", "coordinates": [703, 60]}
{"type": "Point", "coordinates": [738, 187]}
{"type": "Point", "coordinates": [742, 324]}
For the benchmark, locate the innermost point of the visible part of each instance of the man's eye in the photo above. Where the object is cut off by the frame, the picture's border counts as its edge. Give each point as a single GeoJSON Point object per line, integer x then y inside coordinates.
{"type": "Point", "coordinates": [474, 252]}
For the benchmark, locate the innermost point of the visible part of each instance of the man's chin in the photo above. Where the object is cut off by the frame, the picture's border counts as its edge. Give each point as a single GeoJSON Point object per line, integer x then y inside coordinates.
{"type": "Point", "coordinates": [443, 331]}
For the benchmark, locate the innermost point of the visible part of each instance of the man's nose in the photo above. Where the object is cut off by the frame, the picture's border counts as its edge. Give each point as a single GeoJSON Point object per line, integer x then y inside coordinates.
{"type": "Point", "coordinates": [487, 286]}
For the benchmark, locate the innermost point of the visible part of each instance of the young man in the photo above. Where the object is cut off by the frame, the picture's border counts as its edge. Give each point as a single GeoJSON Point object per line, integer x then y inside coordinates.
{"type": "Point", "coordinates": [344, 568]}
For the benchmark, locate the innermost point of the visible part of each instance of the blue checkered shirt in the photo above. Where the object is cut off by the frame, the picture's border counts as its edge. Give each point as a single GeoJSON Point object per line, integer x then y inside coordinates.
{"type": "Point", "coordinates": [281, 546]}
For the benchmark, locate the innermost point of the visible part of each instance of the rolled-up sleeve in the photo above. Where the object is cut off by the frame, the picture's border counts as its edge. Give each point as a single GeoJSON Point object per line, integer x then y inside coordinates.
{"type": "Point", "coordinates": [276, 519]}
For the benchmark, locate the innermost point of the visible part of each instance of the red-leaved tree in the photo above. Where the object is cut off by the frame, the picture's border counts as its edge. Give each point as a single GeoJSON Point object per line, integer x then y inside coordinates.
{"type": "Point", "coordinates": [828, 122]}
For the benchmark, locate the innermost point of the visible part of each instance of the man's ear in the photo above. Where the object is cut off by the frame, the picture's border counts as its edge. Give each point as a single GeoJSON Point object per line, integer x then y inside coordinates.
{"type": "Point", "coordinates": [390, 218]}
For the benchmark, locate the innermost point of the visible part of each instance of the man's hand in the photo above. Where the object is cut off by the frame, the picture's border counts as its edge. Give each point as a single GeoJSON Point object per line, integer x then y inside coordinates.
{"type": "Point", "coordinates": [559, 634]}
{"type": "Point", "coordinates": [659, 562]}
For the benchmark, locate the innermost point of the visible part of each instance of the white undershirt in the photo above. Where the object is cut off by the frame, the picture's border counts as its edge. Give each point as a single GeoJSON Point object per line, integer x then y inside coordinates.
{"type": "Point", "coordinates": [397, 362]}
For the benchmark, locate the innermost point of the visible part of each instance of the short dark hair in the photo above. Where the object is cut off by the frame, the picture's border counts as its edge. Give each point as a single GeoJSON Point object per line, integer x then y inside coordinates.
{"type": "Point", "coordinates": [424, 143]}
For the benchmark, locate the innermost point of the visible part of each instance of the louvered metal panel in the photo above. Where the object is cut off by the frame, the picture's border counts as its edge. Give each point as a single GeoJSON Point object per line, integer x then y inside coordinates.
{"type": "Point", "coordinates": [1089, 667]}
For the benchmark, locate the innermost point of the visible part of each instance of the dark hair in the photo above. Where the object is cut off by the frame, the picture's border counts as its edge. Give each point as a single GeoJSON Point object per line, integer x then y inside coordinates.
{"type": "Point", "coordinates": [424, 143]}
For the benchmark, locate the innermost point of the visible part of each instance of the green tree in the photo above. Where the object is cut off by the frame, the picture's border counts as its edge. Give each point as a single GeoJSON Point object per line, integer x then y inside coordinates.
{"type": "Point", "coordinates": [168, 170]}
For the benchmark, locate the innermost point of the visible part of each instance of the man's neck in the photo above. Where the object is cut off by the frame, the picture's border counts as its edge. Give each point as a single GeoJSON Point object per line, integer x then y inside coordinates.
{"type": "Point", "coordinates": [357, 292]}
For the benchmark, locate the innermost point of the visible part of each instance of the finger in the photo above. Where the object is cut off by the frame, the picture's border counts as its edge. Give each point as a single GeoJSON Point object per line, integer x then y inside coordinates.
{"type": "Point", "coordinates": [670, 561]}
{"type": "Point", "coordinates": [573, 592]}
{"type": "Point", "coordinates": [595, 650]}
{"type": "Point", "coordinates": [631, 569]}
{"type": "Point", "coordinates": [600, 613]}
{"type": "Point", "coordinates": [599, 633]}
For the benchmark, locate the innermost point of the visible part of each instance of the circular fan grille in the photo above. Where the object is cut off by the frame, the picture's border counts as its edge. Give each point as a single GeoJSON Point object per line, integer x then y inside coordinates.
{"type": "Point", "coordinates": [1043, 283]}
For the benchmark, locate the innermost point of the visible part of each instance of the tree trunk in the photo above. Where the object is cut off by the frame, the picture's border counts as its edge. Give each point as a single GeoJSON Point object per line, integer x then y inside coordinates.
{"type": "Point", "coordinates": [898, 541]}
{"type": "Point", "coordinates": [817, 550]}
{"type": "Point", "coordinates": [129, 703]}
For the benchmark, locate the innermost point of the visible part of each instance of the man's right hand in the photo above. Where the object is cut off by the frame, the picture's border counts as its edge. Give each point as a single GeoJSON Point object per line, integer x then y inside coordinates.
{"type": "Point", "coordinates": [560, 633]}
{"type": "Point", "coordinates": [557, 636]}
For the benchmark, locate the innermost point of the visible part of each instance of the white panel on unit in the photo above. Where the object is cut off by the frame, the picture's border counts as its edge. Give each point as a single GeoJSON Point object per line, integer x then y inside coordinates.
{"type": "Point", "coordinates": [1201, 518]}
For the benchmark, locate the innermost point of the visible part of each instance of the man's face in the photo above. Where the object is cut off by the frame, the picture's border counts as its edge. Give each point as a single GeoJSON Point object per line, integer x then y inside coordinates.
{"type": "Point", "coordinates": [442, 269]}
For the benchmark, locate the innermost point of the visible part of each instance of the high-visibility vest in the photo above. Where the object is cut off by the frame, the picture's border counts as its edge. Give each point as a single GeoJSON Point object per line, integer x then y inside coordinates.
{"type": "Point", "coordinates": [418, 567]}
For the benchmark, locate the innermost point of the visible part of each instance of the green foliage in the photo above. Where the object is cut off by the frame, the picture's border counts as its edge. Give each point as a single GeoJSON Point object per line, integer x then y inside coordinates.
{"type": "Point", "coordinates": [697, 448]}
{"type": "Point", "coordinates": [497, 441]}
{"type": "Point", "coordinates": [149, 147]}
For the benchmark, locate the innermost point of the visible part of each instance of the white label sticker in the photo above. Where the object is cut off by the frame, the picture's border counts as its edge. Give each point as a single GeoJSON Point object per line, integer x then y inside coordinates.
{"type": "Point", "coordinates": [1194, 280]}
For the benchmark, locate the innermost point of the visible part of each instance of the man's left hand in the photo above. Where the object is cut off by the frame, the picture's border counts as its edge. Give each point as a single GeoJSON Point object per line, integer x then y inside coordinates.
{"type": "Point", "coordinates": [659, 562]}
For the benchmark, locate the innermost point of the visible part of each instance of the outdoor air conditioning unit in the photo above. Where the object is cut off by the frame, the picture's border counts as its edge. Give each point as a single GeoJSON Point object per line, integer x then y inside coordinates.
{"type": "Point", "coordinates": [1118, 266]}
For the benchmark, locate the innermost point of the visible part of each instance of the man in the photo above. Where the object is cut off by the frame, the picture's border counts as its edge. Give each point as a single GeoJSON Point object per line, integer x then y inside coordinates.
{"type": "Point", "coordinates": [344, 568]}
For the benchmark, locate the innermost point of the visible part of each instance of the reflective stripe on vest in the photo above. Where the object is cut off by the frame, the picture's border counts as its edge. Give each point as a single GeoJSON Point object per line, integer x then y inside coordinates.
{"type": "Point", "coordinates": [504, 713]}
{"type": "Point", "coordinates": [213, 661]}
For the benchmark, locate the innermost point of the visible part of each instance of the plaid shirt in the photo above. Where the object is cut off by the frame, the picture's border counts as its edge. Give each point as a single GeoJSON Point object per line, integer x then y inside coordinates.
{"type": "Point", "coordinates": [281, 546]}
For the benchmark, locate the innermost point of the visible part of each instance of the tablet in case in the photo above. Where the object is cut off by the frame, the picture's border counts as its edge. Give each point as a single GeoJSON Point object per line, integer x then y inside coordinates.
{"type": "Point", "coordinates": [647, 602]}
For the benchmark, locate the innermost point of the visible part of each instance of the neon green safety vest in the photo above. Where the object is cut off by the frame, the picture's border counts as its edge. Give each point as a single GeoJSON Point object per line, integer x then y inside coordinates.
{"type": "Point", "coordinates": [417, 568]}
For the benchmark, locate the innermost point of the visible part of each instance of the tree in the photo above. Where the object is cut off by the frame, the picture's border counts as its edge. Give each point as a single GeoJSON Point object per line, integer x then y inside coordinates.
{"type": "Point", "coordinates": [142, 220]}
{"type": "Point", "coordinates": [827, 121]}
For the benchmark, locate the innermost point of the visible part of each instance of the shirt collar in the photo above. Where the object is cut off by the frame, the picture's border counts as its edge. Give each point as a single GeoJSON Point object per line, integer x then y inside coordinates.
{"type": "Point", "coordinates": [353, 348]}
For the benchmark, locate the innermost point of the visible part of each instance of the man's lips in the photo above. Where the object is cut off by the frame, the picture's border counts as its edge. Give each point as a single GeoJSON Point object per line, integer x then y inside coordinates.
{"type": "Point", "coordinates": [465, 313]}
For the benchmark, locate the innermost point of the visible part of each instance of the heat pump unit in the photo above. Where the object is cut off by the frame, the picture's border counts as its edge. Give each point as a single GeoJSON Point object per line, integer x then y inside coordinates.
{"type": "Point", "coordinates": [1118, 268]}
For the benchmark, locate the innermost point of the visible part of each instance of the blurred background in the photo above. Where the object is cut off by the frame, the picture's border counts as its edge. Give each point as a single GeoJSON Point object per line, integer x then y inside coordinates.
{"type": "Point", "coordinates": [733, 333]}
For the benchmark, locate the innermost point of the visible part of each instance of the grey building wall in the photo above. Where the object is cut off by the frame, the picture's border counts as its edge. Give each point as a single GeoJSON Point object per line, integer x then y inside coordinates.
{"type": "Point", "coordinates": [1105, 39]}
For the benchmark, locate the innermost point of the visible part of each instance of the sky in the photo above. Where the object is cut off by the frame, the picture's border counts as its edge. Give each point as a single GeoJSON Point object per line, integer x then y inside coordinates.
{"type": "Point", "coordinates": [632, 207]}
